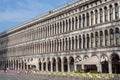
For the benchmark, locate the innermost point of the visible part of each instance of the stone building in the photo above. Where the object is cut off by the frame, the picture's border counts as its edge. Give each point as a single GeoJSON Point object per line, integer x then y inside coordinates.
{"type": "Point", "coordinates": [81, 35]}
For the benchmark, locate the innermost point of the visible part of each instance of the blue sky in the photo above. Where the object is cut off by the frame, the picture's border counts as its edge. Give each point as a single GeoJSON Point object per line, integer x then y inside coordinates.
{"type": "Point", "coordinates": [15, 12]}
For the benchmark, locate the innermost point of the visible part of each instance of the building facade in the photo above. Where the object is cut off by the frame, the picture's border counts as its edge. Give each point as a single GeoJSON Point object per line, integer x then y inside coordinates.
{"type": "Point", "coordinates": [82, 35]}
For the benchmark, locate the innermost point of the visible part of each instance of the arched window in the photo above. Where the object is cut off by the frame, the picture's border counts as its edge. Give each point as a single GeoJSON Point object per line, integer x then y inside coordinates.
{"type": "Point", "coordinates": [117, 36]}
{"type": "Point", "coordinates": [92, 40]}
{"type": "Point", "coordinates": [111, 37]}
{"type": "Point", "coordinates": [60, 44]}
{"type": "Point", "coordinates": [76, 22]}
{"type": "Point", "coordinates": [111, 12]}
{"type": "Point", "coordinates": [96, 39]}
{"type": "Point", "coordinates": [66, 25]}
{"type": "Point", "coordinates": [63, 44]}
{"type": "Point", "coordinates": [69, 44]}
{"type": "Point", "coordinates": [79, 41]}
{"type": "Point", "coordinates": [92, 18]}
{"type": "Point", "coordinates": [116, 11]}
{"type": "Point", "coordinates": [83, 41]}
{"type": "Point", "coordinates": [76, 44]}
{"type": "Point", "coordinates": [58, 28]}
{"type": "Point", "coordinates": [96, 17]}
{"type": "Point", "coordinates": [101, 38]}
{"type": "Point", "coordinates": [101, 16]}
{"type": "Point", "coordinates": [106, 14]}
{"type": "Point", "coordinates": [80, 20]}
{"type": "Point", "coordinates": [88, 39]}
{"type": "Point", "coordinates": [63, 26]}
{"type": "Point", "coordinates": [88, 19]}
{"type": "Point", "coordinates": [83, 20]}
{"type": "Point", "coordinates": [73, 43]}
{"type": "Point", "coordinates": [66, 44]}
{"type": "Point", "coordinates": [106, 38]}
{"type": "Point", "coordinates": [69, 24]}
{"type": "Point", "coordinates": [72, 23]}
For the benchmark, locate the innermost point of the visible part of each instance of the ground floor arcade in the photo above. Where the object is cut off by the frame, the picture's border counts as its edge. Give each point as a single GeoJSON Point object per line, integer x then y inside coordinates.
{"type": "Point", "coordinates": [105, 63]}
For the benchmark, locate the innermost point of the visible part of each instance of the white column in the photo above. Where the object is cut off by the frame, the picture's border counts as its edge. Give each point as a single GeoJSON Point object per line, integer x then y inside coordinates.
{"type": "Point", "coordinates": [110, 67]}
{"type": "Point", "coordinates": [47, 66]}
{"type": "Point", "coordinates": [56, 65]}
{"type": "Point", "coordinates": [42, 66]}
{"type": "Point", "coordinates": [68, 64]}
{"type": "Point", "coordinates": [62, 66]}
{"type": "Point", "coordinates": [51, 66]}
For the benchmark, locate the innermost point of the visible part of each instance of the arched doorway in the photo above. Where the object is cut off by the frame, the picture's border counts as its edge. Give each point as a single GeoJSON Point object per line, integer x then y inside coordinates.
{"type": "Point", "coordinates": [65, 64]}
{"type": "Point", "coordinates": [115, 60]}
{"type": "Point", "coordinates": [54, 64]}
{"type": "Point", "coordinates": [104, 64]}
{"type": "Point", "coordinates": [59, 64]}
{"type": "Point", "coordinates": [49, 66]}
{"type": "Point", "coordinates": [44, 66]}
{"type": "Point", "coordinates": [40, 66]}
{"type": "Point", "coordinates": [77, 60]}
{"type": "Point", "coordinates": [71, 63]}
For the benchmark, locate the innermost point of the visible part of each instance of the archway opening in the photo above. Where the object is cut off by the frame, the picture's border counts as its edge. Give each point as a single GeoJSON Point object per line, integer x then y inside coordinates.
{"type": "Point", "coordinates": [44, 66]}
{"type": "Point", "coordinates": [49, 66]}
{"type": "Point", "coordinates": [104, 64]}
{"type": "Point", "coordinates": [40, 66]}
{"type": "Point", "coordinates": [115, 63]}
{"type": "Point", "coordinates": [59, 64]}
{"type": "Point", "coordinates": [54, 65]}
{"type": "Point", "coordinates": [71, 63]}
{"type": "Point", "coordinates": [65, 62]}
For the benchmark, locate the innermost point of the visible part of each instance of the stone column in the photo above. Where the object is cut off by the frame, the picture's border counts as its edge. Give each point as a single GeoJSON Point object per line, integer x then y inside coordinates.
{"type": "Point", "coordinates": [68, 65]}
{"type": "Point", "coordinates": [56, 65]}
{"type": "Point", "coordinates": [98, 39]}
{"type": "Point", "coordinates": [103, 15]}
{"type": "Point", "coordinates": [89, 40]}
{"type": "Point", "coordinates": [82, 65]}
{"type": "Point", "coordinates": [47, 66]}
{"type": "Point", "coordinates": [62, 65]}
{"type": "Point", "coordinates": [98, 16]}
{"type": "Point", "coordinates": [81, 41]}
{"type": "Point", "coordinates": [82, 21]}
{"type": "Point", "coordinates": [42, 66]}
{"type": "Point", "coordinates": [51, 66]}
{"type": "Point", "coordinates": [114, 12]}
{"type": "Point", "coordinates": [114, 38]}
{"type": "Point", "coordinates": [110, 67]}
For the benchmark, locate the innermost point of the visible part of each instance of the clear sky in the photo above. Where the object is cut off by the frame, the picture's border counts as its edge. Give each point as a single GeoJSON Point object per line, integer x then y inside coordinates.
{"type": "Point", "coordinates": [15, 12]}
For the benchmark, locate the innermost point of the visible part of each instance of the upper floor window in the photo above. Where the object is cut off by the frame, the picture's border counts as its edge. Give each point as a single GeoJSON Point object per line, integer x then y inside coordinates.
{"type": "Point", "coordinates": [101, 38]}
{"type": "Point", "coordinates": [80, 21]}
{"type": "Point", "coordinates": [96, 39]}
{"type": "Point", "coordinates": [116, 11]}
{"type": "Point", "coordinates": [73, 23]}
{"type": "Point", "coordinates": [66, 25]}
{"type": "Point", "coordinates": [88, 19]}
{"type": "Point", "coordinates": [111, 12]}
{"type": "Point", "coordinates": [83, 20]}
{"type": "Point", "coordinates": [63, 26]}
{"type": "Point", "coordinates": [106, 38]}
{"type": "Point", "coordinates": [88, 39]}
{"type": "Point", "coordinates": [101, 16]}
{"type": "Point", "coordinates": [117, 36]}
{"type": "Point", "coordinates": [69, 24]}
{"type": "Point", "coordinates": [111, 37]}
{"type": "Point", "coordinates": [106, 14]}
{"type": "Point", "coordinates": [92, 18]}
{"type": "Point", "coordinates": [76, 22]}
{"type": "Point", "coordinates": [96, 16]}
